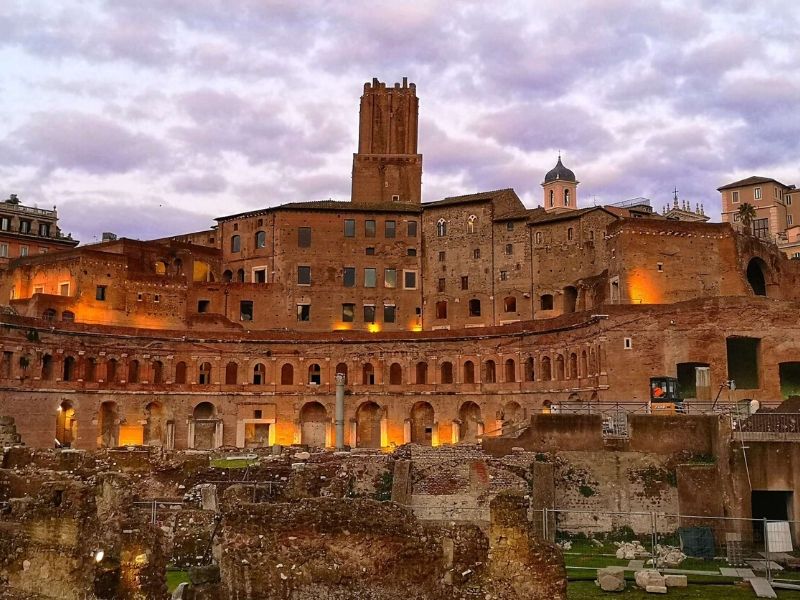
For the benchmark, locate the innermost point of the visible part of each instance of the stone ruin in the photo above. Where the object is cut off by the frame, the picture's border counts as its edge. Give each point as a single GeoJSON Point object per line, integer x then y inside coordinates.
{"type": "Point", "coordinates": [8, 433]}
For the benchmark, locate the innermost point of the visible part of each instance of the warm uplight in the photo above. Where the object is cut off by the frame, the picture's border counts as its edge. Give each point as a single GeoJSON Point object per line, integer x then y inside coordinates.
{"type": "Point", "coordinates": [99, 555]}
{"type": "Point", "coordinates": [643, 289]}
{"type": "Point", "coordinates": [342, 326]}
{"type": "Point", "coordinates": [373, 327]}
{"type": "Point", "coordinates": [416, 328]}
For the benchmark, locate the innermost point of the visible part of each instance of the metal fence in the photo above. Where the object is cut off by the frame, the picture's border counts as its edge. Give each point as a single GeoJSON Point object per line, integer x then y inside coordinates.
{"type": "Point", "coordinates": [699, 546]}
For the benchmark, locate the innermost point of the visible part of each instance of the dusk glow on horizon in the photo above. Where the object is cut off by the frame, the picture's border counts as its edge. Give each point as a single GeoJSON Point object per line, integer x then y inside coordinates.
{"type": "Point", "coordinates": [151, 118]}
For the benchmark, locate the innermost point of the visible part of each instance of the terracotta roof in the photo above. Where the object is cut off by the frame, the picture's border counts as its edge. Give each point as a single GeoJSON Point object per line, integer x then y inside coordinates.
{"type": "Point", "coordinates": [754, 180]}
{"type": "Point", "coordinates": [477, 197]}
{"type": "Point", "coordinates": [331, 205]}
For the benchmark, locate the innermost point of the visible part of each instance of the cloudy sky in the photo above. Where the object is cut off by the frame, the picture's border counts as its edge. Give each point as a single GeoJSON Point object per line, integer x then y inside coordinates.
{"type": "Point", "coordinates": [151, 117]}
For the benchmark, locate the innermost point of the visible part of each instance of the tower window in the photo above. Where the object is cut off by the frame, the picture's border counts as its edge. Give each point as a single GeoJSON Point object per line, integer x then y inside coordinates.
{"type": "Point", "coordinates": [566, 197]}
{"type": "Point", "coordinates": [441, 228]}
{"type": "Point", "coordinates": [552, 198]}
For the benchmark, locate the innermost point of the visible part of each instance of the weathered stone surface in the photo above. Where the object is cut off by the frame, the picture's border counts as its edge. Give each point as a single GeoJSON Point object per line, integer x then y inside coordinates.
{"type": "Point", "coordinates": [675, 581]}
{"type": "Point", "coordinates": [611, 579]}
{"type": "Point", "coordinates": [656, 589]}
{"type": "Point", "coordinates": [648, 577]}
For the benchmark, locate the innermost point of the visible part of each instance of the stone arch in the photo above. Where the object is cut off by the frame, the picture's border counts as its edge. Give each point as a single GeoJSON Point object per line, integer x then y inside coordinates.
{"type": "Point", "coordinates": [66, 425]}
{"type": "Point", "coordinates": [49, 314]}
{"type": "Point", "coordinates": [108, 424]}
{"type": "Point", "coordinates": [422, 373]}
{"type": "Point", "coordinates": [422, 423]}
{"type": "Point", "coordinates": [512, 412]}
{"type": "Point", "coordinates": [395, 374]}
{"type": "Point", "coordinates": [47, 367]}
{"type": "Point", "coordinates": [313, 424]}
{"type": "Point", "coordinates": [314, 374]}
{"type": "Point", "coordinates": [112, 365]}
{"type": "Point", "coordinates": [89, 369]}
{"type": "Point", "coordinates": [205, 426]}
{"type": "Point", "coordinates": [287, 374]}
{"type": "Point", "coordinates": [757, 272]}
{"type": "Point", "coordinates": [547, 369]}
{"type": "Point", "coordinates": [584, 364]}
{"type": "Point", "coordinates": [180, 372]}
{"type": "Point", "coordinates": [240, 275]}
{"type": "Point", "coordinates": [259, 374]}
{"type": "Point", "coordinates": [559, 368]}
{"type": "Point", "coordinates": [489, 372]}
{"type": "Point", "coordinates": [368, 425]}
{"type": "Point", "coordinates": [469, 372]}
{"type": "Point", "coordinates": [510, 304]}
{"type": "Point", "coordinates": [446, 372]}
{"type": "Point", "coordinates": [570, 298]}
{"type": "Point", "coordinates": [69, 371]}
{"type": "Point", "coordinates": [470, 422]}
{"type": "Point", "coordinates": [158, 372]}
{"type": "Point", "coordinates": [232, 373]}
{"type": "Point", "coordinates": [573, 366]}
{"type": "Point", "coordinates": [342, 368]}
{"type": "Point", "coordinates": [227, 276]}
{"type": "Point", "coordinates": [154, 430]}
{"type": "Point", "coordinates": [160, 267]}
{"type": "Point", "coordinates": [530, 374]}
{"type": "Point", "coordinates": [68, 316]}
{"type": "Point", "coordinates": [133, 371]}
{"type": "Point", "coordinates": [510, 370]}
{"type": "Point", "coordinates": [204, 374]}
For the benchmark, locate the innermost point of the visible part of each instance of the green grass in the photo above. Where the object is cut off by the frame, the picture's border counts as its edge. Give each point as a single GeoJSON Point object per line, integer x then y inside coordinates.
{"type": "Point", "coordinates": [174, 578]}
{"type": "Point", "coordinates": [587, 590]}
{"type": "Point", "coordinates": [239, 463]}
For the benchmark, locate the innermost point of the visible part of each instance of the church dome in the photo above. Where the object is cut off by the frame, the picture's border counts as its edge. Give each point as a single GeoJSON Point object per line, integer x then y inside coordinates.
{"type": "Point", "coordinates": [559, 173]}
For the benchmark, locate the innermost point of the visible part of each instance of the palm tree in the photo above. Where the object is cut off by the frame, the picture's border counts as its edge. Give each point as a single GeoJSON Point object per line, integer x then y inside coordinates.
{"type": "Point", "coordinates": [747, 213]}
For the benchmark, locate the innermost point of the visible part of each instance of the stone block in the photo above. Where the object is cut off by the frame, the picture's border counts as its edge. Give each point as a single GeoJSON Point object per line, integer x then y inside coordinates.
{"type": "Point", "coordinates": [649, 578]}
{"type": "Point", "coordinates": [675, 581]}
{"type": "Point", "coordinates": [656, 589]}
{"type": "Point", "coordinates": [611, 579]}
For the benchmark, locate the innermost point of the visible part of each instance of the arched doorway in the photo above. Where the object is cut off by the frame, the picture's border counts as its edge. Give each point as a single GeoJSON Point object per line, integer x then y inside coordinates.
{"type": "Point", "coordinates": [368, 425]}
{"type": "Point", "coordinates": [313, 424]}
{"type": "Point", "coordinates": [66, 425]}
{"type": "Point", "coordinates": [757, 276]}
{"type": "Point", "coordinates": [154, 425]}
{"type": "Point", "coordinates": [470, 423]}
{"type": "Point", "coordinates": [205, 426]}
{"type": "Point", "coordinates": [109, 425]}
{"type": "Point", "coordinates": [422, 424]}
{"type": "Point", "coordinates": [512, 413]}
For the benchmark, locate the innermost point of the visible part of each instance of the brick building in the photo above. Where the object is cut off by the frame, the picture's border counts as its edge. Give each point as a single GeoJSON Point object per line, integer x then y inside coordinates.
{"type": "Point", "coordinates": [449, 318]}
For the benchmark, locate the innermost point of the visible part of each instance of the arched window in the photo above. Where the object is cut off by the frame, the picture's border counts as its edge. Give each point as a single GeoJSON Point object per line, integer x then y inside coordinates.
{"type": "Point", "coordinates": [158, 371]}
{"type": "Point", "coordinates": [236, 243]}
{"type": "Point", "coordinates": [573, 366]}
{"type": "Point", "coordinates": [89, 369]}
{"type": "Point", "coordinates": [180, 372]}
{"type": "Point", "coordinates": [489, 372]}
{"type": "Point", "coordinates": [231, 373]}
{"type": "Point", "coordinates": [422, 373]}
{"type": "Point", "coordinates": [49, 314]}
{"type": "Point", "coordinates": [240, 275]}
{"type": "Point", "coordinates": [178, 264]}
{"type": "Point", "coordinates": [69, 368]}
{"type": "Point", "coordinates": [342, 368]}
{"type": "Point", "coordinates": [547, 371]}
{"type": "Point", "coordinates": [111, 370]}
{"type": "Point", "coordinates": [566, 197]}
{"type": "Point", "coordinates": [529, 370]}
{"type": "Point", "coordinates": [368, 374]}
{"type": "Point", "coordinates": [510, 304]}
{"type": "Point", "coordinates": [441, 228]}
{"type": "Point", "coordinates": [552, 198]}
{"type": "Point", "coordinates": [261, 239]}
{"type": "Point", "coordinates": [584, 365]}
{"type": "Point", "coordinates": [472, 224]}
{"type": "Point", "coordinates": [133, 371]}
{"type": "Point", "coordinates": [538, 238]}
{"type": "Point", "coordinates": [68, 316]}
{"type": "Point", "coordinates": [259, 374]}
{"type": "Point", "coordinates": [160, 267]}
{"type": "Point", "coordinates": [314, 374]}
{"type": "Point", "coordinates": [227, 275]}
{"type": "Point", "coordinates": [546, 302]}
{"type": "Point", "coordinates": [570, 299]}
{"type": "Point", "coordinates": [511, 371]}
{"type": "Point", "coordinates": [570, 233]}
{"type": "Point", "coordinates": [441, 309]}
{"type": "Point", "coordinates": [287, 374]}
{"type": "Point", "coordinates": [559, 368]}
{"type": "Point", "coordinates": [204, 377]}
{"type": "Point", "coordinates": [469, 372]}
{"type": "Point", "coordinates": [395, 374]}
{"type": "Point", "coordinates": [474, 308]}
{"type": "Point", "coordinates": [446, 372]}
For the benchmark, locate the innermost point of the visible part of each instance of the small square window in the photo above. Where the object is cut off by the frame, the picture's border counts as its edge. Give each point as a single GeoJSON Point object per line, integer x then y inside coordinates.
{"type": "Point", "coordinates": [410, 280]}
{"type": "Point", "coordinates": [203, 306]}
{"type": "Point", "coordinates": [349, 277]}
{"type": "Point", "coordinates": [260, 275]}
{"type": "Point", "coordinates": [245, 310]}
{"type": "Point", "coordinates": [503, 275]}
{"type": "Point", "coordinates": [476, 253]}
{"type": "Point", "coordinates": [304, 237]}
{"type": "Point", "coordinates": [442, 256]}
{"type": "Point", "coordinates": [369, 313]}
{"type": "Point", "coordinates": [303, 312]}
{"type": "Point", "coordinates": [510, 226]}
{"type": "Point", "coordinates": [411, 252]}
{"type": "Point", "coordinates": [304, 275]}
{"type": "Point", "coordinates": [236, 227]}
{"type": "Point", "coordinates": [100, 293]}
{"type": "Point", "coordinates": [412, 229]}
{"type": "Point", "coordinates": [627, 343]}
{"type": "Point", "coordinates": [390, 229]}
{"type": "Point", "coordinates": [370, 251]}
{"type": "Point", "coordinates": [348, 313]}
{"type": "Point", "coordinates": [369, 228]}
{"type": "Point", "coordinates": [388, 313]}
{"type": "Point", "coordinates": [257, 414]}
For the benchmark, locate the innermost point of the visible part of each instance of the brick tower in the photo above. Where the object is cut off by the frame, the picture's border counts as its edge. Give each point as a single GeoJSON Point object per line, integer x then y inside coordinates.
{"type": "Point", "coordinates": [387, 167]}
{"type": "Point", "coordinates": [560, 188]}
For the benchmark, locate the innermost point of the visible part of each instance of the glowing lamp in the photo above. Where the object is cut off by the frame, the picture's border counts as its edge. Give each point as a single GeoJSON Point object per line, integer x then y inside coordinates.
{"type": "Point", "coordinates": [99, 555]}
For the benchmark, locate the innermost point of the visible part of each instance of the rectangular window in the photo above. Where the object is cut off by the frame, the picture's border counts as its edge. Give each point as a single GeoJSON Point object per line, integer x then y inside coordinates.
{"type": "Point", "coordinates": [788, 200]}
{"type": "Point", "coordinates": [736, 217]}
{"type": "Point", "coordinates": [304, 275]}
{"type": "Point", "coordinates": [38, 289]}
{"type": "Point", "coordinates": [735, 196]}
{"type": "Point", "coordinates": [304, 237]}
{"type": "Point", "coordinates": [390, 278]}
{"type": "Point", "coordinates": [509, 248]}
{"type": "Point", "coordinates": [442, 256]}
{"type": "Point", "coordinates": [349, 228]}
{"type": "Point", "coordinates": [349, 277]}
{"type": "Point", "coordinates": [203, 306]}
{"type": "Point", "coordinates": [348, 313]}
{"type": "Point", "coordinates": [388, 313]}
{"type": "Point", "coordinates": [63, 289]}
{"type": "Point", "coordinates": [370, 277]}
{"type": "Point", "coordinates": [410, 280]}
{"type": "Point", "coordinates": [757, 193]}
{"type": "Point", "coordinates": [25, 226]}
{"type": "Point", "coordinates": [761, 228]}
{"type": "Point", "coordinates": [369, 228]}
{"type": "Point", "coordinates": [464, 282]}
{"type": "Point", "coordinates": [4, 250]}
{"type": "Point", "coordinates": [503, 275]}
{"type": "Point", "coordinates": [260, 275]}
{"type": "Point", "coordinates": [5, 223]}
{"type": "Point", "coordinates": [510, 225]}
{"type": "Point", "coordinates": [412, 229]}
{"type": "Point", "coordinates": [139, 297]}
{"type": "Point", "coordinates": [44, 230]}
{"type": "Point", "coordinates": [246, 310]}
{"type": "Point", "coordinates": [476, 253]}
{"type": "Point", "coordinates": [42, 250]}
{"type": "Point", "coordinates": [369, 313]}
{"type": "Point", "coordinates": [789, 220]}
{"type": "Point", "coordinates": [440, 285]}
{"type": "Point", "coordinates": [411, 252]}
{"type": "Point", "coordinates": [303, 312]}
{"type": "Point", "coordinates": [100, 293]}
{"type": "Point", "coordinates": [23, 251]}
{"type": "Point", "coordinates": [370, 251]}
{"type": "Point", "coordinates": [156, 298]}
{"type": "Point", "coordinates": [390, 229]}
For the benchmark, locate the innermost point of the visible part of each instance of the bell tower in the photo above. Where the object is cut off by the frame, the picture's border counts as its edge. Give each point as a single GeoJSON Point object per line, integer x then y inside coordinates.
{"type": "Point", "coordinates": [387, 167]}
{"type": "Point", "coordinates": [560, 189]}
